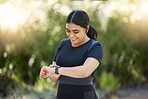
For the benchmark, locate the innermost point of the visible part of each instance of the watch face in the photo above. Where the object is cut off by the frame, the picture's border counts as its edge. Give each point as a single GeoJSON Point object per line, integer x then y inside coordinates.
{"type": "Point", "coordinates": [56, 69]}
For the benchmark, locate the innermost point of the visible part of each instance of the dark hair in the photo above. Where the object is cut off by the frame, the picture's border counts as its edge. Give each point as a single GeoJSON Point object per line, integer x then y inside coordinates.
{"type": "Point", "coordinates": [81, 18]}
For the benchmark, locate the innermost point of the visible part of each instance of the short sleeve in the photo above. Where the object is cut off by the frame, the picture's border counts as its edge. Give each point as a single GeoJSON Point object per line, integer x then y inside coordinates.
{"type": "Point", "coordinates": [96, 52]}
{"type": "Point", "coordinates": [57, 51]}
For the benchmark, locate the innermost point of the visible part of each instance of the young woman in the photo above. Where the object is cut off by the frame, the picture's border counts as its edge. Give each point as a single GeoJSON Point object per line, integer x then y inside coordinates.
{"type": "Point", "coordinates": [76, 59]}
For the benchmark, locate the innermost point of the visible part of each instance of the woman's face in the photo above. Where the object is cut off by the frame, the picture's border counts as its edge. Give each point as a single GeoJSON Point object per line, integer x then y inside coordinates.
{"type": "Point", "coordinates": [76, 34]}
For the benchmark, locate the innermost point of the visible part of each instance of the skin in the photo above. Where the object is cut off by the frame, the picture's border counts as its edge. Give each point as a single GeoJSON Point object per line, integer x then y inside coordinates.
{"type": "Point", "coordinates": [77, 36]}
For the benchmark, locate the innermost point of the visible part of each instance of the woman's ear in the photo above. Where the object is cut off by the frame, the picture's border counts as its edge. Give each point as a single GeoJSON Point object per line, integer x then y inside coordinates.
{"type": "Point", "coordinates": [87, 28]}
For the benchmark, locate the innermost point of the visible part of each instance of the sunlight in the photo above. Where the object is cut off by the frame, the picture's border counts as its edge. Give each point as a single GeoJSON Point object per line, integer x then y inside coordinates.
{"type": "Point", "coordinates": [139, 11]}
{"type": "Point", "coordinates": [11, 17]}
{"type": "Point", "coordinates": [136, 11]}
{"type": "Point", "coordinates": [144, 7]}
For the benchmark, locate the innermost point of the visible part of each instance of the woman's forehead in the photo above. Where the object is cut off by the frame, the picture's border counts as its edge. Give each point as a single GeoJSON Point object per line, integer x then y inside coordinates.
{"type": "Point", "coordinates": [72, 26]}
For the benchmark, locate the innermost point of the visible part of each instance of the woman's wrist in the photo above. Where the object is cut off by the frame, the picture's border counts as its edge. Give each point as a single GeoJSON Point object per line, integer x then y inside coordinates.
{"type": "Point", "coordinates": [50, 71]}
{"type": "Point", "coordinates": [54, 69]}
{"type": "Point", "coordinates": [57, 69]}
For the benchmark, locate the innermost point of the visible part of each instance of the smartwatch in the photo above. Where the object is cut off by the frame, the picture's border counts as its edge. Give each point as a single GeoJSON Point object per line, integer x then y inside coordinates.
{"type": "Point", "coordinates": [56, 69]}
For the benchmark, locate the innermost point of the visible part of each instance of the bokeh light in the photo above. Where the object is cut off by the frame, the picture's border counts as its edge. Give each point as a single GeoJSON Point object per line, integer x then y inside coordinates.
{"type": "Point", "coordinates": [11, 17]}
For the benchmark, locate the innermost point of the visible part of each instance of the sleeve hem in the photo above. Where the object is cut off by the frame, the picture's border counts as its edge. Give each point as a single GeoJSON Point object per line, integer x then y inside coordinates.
{"type": "Point", "coordinates": [96, 59]}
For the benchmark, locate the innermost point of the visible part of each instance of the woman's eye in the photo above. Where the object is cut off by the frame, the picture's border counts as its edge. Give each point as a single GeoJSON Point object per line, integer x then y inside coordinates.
{"type": "Point", "coordinates": [68, 31]}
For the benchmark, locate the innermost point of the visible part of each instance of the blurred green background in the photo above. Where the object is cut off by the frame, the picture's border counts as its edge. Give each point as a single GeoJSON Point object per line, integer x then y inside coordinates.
{"type": "Point", "coordinates": [31, 30]}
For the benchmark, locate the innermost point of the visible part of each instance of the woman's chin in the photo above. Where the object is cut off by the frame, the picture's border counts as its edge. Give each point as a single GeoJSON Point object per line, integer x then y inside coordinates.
{"type": "Point", "coordinates": [74, 43]}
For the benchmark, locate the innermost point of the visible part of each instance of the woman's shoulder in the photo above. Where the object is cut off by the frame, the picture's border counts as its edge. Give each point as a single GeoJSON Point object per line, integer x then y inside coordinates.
{"type": "Point", "coordinates": [94, 42]}
{"type": "Point", "coordinates": [64, 41]}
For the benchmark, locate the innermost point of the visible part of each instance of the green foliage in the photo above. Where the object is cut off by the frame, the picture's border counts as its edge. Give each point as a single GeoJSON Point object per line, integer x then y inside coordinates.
{"type": "Point", "coordinates": [123, 52]}
{"type": "Point", "coordinates": [108, 82]}
{"type": "Point", "coordinates": [7, 84]}
{"type": "Point", "coordinates": [44, 84]}
{"type": "Point", "coordinates": [24, 52]}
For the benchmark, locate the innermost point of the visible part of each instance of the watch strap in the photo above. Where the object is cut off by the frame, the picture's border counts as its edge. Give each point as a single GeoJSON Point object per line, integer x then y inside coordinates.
{"type": "Point", "coordinates": [56, 69]}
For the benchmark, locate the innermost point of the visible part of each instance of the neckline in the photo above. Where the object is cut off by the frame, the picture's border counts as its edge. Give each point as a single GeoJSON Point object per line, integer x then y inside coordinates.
{"type": "Point", "coordinates": [80, 45]}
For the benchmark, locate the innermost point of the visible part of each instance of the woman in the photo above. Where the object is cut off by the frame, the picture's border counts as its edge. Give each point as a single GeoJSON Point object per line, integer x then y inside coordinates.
{"type": "Point", "coordinates": [76, 59]}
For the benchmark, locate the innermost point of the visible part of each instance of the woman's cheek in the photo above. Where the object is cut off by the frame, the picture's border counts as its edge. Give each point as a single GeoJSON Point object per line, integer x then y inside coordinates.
{"type": "Point", "coordinates": [67, 34]}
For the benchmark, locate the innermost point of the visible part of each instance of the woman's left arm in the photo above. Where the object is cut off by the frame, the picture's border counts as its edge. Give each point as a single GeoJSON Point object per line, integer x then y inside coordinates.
{"type": "Point", "coordinates": [80, 71]}
{"type": "Point", "coordinates": [76, 72]}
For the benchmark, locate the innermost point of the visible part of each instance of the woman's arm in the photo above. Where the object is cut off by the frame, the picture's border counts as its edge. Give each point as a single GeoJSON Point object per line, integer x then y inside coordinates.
{"type": "Point", "coordinates": [54, 77]}
{"type": "Point", "coordinates": [77, 72]}
{"type": "Point", "coordinates": [80, 71]}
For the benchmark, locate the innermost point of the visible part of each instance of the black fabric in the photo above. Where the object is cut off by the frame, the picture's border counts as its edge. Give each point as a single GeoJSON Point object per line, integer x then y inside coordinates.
{"type": "Point", "coordinates": [68, 56]}
{"type": "Point", "coordinates": [66, 91]}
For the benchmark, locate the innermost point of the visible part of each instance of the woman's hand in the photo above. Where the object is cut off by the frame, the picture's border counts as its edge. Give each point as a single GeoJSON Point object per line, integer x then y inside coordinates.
{"type": "Point", "coordinates": [52, 66]}
{"type": "Point", "coordinates": [54, 77]}
{"type": "Point", "coordinates": [46, 71]}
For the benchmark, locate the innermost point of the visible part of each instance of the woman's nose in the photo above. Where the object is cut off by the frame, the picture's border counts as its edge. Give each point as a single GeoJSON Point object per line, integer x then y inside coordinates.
{"type": "Point", "coordinates": [71, 35]}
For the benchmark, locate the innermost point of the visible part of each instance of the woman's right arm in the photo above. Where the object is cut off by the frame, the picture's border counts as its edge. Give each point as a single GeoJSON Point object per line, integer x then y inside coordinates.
{"type": "Point", "coordinates": [54, 77]}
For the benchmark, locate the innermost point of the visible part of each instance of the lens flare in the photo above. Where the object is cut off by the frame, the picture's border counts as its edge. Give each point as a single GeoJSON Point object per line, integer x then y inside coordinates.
{"type": "Point", "coordinates": [11, 17]}
{"type": "Point", "coordinates": [144, 7]}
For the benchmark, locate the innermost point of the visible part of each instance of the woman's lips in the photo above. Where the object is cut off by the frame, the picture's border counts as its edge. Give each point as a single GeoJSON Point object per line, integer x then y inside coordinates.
{"type": "Point", "coordinates": [73, 39]}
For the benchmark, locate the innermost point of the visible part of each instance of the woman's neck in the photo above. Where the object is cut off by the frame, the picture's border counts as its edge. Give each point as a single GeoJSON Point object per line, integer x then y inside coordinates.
{"type": "Point", "coordinates": [83, 42]}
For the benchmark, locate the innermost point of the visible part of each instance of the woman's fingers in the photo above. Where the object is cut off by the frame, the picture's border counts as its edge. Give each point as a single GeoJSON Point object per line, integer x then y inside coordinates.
{"type": "Point", "coordinates": [41, 74]}
{"type": "Point", "coordinates": [46, 75]}
{"type": "Point", "coordinates": [52, 65]}
{"type": "Point", "coordinates": [44, 72]}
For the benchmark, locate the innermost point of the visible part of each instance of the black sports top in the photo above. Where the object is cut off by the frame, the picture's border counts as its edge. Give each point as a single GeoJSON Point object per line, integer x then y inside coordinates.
{"type": "Point", "coordinates": [68, 56]}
